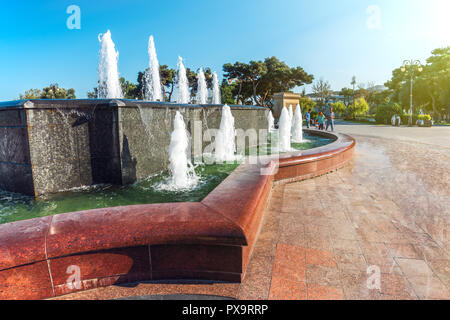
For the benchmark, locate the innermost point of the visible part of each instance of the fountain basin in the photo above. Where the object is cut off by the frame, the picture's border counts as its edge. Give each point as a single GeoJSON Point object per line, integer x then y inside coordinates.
{"type": "Point", "coordinates": [113, 141]}
{"type": "Point", "coordinates": [212, 239]}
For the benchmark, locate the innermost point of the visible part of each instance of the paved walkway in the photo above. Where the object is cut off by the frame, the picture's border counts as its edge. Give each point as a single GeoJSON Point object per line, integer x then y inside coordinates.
{"type": "Point", "coordinates": [388, 210]}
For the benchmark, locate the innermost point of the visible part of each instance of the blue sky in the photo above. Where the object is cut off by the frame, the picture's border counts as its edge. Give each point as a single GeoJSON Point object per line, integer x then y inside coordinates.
{"type": "Point", "coordinates": [333, 40]}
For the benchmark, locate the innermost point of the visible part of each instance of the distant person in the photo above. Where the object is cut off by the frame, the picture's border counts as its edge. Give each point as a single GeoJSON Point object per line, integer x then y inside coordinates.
{"type": "Point", "coordinates": [320, 120]}
{"type": "Point", "coordinates": [330, 119]}
{"type": "Point", "coordinates": [308, 118]}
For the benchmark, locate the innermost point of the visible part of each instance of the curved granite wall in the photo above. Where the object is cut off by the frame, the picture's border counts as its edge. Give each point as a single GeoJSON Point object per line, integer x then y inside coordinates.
{"type": "Point", "coordinates": [212, 239]}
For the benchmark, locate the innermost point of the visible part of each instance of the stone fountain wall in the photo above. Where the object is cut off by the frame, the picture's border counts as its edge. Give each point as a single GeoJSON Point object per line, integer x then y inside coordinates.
{"type": "Point", "coordinates": [114, 141]}
{"type": "Point", "coordinates": [15, 163]}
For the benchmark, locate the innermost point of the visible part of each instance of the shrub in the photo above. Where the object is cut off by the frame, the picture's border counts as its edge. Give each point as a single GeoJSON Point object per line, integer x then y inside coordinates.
{"type": "Point", "coordinates": [385, 112]}
{"type": "Point", "coordinates": [359, 108]}
{"type": "Point", "coordinates": [424, 117]}
{"type": "Point", "coordinates": [405, 118]}
{"type": "Point", "coordinates": [338, 107]}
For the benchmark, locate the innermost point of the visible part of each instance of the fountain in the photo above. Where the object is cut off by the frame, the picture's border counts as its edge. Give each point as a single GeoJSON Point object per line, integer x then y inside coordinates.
{"type": "Point", "coordinates": [182, 172]}
{"type": "Point", "coordinates": [108, 74]}
{"type": "Point", "coordinates": [270, 122]}
{"type": "Point", "coordinates": [284, 131]}
{"type": "Point", "coordinates": [182, 83]}
{"type": "Point", "coordinates": [291, 116]}
{"type": "Point", "coordinates": [216, 99]}
{"type": "Point", "coordinates": [225, 146]}
{"type": "Point", "coordinates": [101, 175]}
{"type": "Point", "coordinates": [152, 89]}
{"type": "Point", "coordinates": [297, 125]}
{"type": "Point", "coordinates": [202, 89]}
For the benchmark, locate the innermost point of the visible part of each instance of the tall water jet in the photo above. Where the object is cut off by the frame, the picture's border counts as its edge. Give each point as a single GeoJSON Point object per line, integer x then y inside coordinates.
{"type": "Point", "coordinates": [284, 131]}
{"type": "Point", "coordinates": [216, 99]}
{"type": "Point", "coordinates": [270, 122]}
{"type": "Point", "coordinates": [152, 90]}
{"type": "Point", "coordinates": [202, 89]}
{"type": "Point", "coordinates": [297, 129]}
{"type": "Point", "coordinates": [291, 116]}
{"type": "Point", "coordinates": [182, 172]}
{"type": "Point", "coordinates": [108, 74]}
{"type": "Point", "coordinates": [182, 83]}
{"type": "Point", "coordinates": [225, 146]}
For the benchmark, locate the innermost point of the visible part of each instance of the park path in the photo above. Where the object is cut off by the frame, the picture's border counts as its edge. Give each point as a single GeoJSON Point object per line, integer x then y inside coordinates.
{"type": "Point", "coordinates": [389, 209]}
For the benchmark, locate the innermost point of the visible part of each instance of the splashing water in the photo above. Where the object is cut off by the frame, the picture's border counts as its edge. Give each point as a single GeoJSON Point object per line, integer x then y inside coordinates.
{"type": "Point", "coordinates": [297, 129]}
{"type": "Point", "coordinates": [225, 140]}
{"type": "Point", "coordinates": [270, 122]}
{"type": "Point", "coordinates": [284, 131]}
{"type": "Point", "coordinates": [216, 99]}
{"type": "Point", "coordinates": [152, 90]}
{"type": "Point", "coordinates": [108, 74]}
{"type": "Point", "coordinates": [202, 89]}
{"type": "Point", "coordinates": [181, 169]}
{"type": "Point", "coordinates": [291, 116]}
{"type": "Point", "coordinates": [182, 83]}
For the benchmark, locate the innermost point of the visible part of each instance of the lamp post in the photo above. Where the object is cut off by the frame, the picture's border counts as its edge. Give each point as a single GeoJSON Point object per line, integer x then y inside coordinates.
{"type": "Point", "coordinates": [411, 64]}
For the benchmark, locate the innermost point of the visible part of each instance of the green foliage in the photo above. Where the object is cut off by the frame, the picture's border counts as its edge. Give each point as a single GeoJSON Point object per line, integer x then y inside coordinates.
{"type": "Point", "coordinates": [227, 90]}
{"type": "Point", "coordinates": [129, 89]}
{"type": "Point", "coordinates": [359, 108]}
{"type": "Point", "coordinates": [322, 90]}
{"type": "Point", "coordinates": [431, 87]}
{"type": "Point", "coordinates": [306, 104]}
{"type": "Point", "coordinates": [257, 81]}
{"type": "Point", "coordinates": [385, 112]}
{"type": "Point", "coordinates": [424, 117]}
{"type": "Point", "coordinates": [31, 94]}
{"type": "Point", "coordinates": [347, 93]}
{"type": "Point", "coordinates": [53, 91]}
{"type": "Point", "coordinates": [339, 107]}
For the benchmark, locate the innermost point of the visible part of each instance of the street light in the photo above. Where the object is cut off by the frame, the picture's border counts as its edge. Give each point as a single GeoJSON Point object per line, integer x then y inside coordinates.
{"type": "Point", "coordinates": [411, 64]}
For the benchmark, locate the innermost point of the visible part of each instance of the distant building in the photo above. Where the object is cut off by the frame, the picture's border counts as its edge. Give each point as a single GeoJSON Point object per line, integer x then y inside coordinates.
{"type": "Point", "coordinates": [334, 97]}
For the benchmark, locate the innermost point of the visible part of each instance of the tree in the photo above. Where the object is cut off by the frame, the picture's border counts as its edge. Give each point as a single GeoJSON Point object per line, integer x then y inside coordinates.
{"type": "Point", "coordinates": [431, 87]}
{"type": "Point", "coordinates": [227, 91]}
{"type": "Point", "coordinates": [257, 81]}
{"type": "Point", "coordinates": [385, 112]}
{"type": "Point", "coordinates": [339, 107]}
{"type": "Point", "coordinates": [167, 80]}
{"type": "Point", "coordinates": [322, 90]}
{"type": "Point", "coordinates": [31, 94]}
{"type": "Point", "coordinates": [358, 108]}
{"type": "Point", "coordinates": [348, 95]}
{"type": "Point", "coordinates": [129, 89]}
{"type": "Point", "coordinates": [53, 91]}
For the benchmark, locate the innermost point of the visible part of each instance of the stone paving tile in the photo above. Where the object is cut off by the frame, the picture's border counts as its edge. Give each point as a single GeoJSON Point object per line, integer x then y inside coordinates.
{"type": "Point", "coordinates": [386, 264]}
{"type": "Point", "coordinates": [350, 261]}
{"type": "Point", "coordinates": [318, 292]}
{"type": "Point", "coordinates": [349, 246]}
{"type": "Point", "coordinates": [431, 252]}
{"type": "Point", "coordinates": [397, 286]}
{"type": "Point", "coordinates": [322, 275]}
{"type": "Point", "coordinates": [323, 258]}
{"type": "Point", "coordinates": [403, 250]}
{"type": "Point", "coordinates": [442, 269]}
{"type": "Point", "coordinates": [289, 263]}
{"type": "Point", "coordinates": [282, 289]}
{"type": "Point", "coordinates": [429, 287]}
{"type": "Point", "coordinates": [414, 267]}
{"type": "Point", "coordinates": [355, 287]}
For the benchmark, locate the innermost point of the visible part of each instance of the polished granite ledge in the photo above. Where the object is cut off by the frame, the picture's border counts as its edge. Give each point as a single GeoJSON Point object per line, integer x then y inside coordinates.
{"type": "Point", "coordinates": [208, 240]}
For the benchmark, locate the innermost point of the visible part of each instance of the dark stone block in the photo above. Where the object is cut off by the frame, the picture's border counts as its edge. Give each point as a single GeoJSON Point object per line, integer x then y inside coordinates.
{"type": "Point", "coordinates": [14, 145]}
{"type": "Point", "coordinates": [16, 178]}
